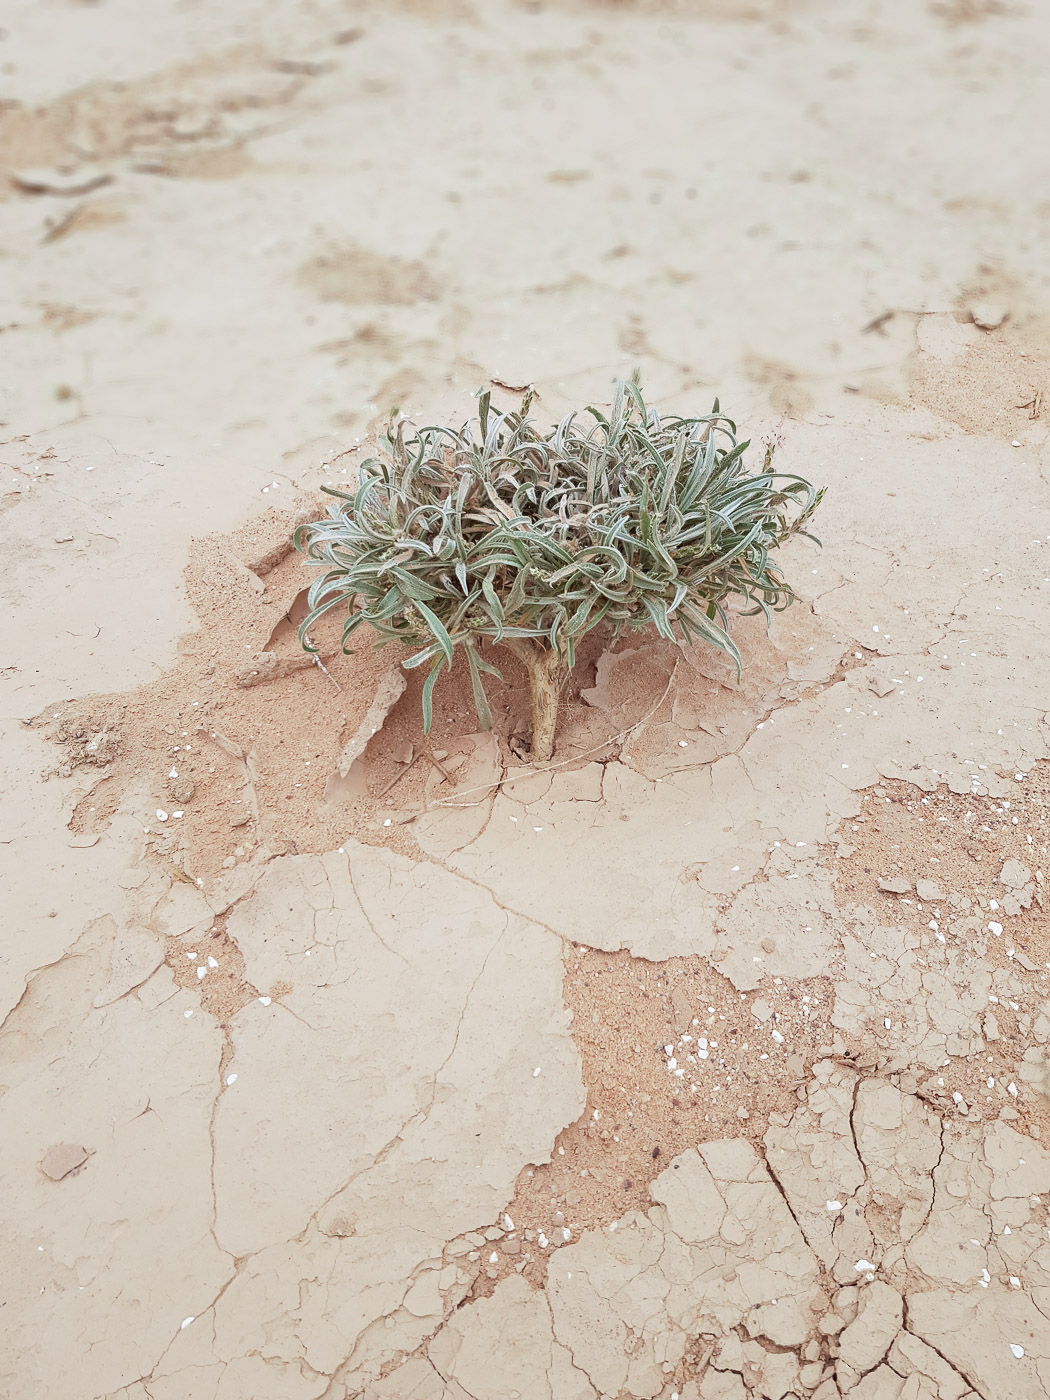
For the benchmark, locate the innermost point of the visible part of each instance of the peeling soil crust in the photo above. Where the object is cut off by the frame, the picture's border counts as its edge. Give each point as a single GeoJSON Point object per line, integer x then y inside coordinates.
{"type": "Point", "coordinates": [236, 750]}
{"type": "Point", "coordinates": [653, 1017]}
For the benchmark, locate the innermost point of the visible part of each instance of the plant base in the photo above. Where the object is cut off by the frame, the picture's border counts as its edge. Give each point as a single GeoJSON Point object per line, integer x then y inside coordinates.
{"type": "Point", "coordinates": [546, 671]}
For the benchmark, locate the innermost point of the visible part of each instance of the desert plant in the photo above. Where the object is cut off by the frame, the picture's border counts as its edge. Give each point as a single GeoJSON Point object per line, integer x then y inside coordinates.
{"type": "Point", "coordinates": [505, 533]}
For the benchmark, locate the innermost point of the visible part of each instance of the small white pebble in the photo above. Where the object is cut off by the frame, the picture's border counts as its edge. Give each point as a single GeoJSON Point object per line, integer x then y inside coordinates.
{"type": "Point", "coordinates": [1011, 1088]}
{"type": "Point", "coordinates": [185, 1323]}
{"type": "Point", "coordinates": [834, 1205]}
{"type": "Point", "coordinates": [201, 972]}
{"type": "Point", "coordinates": [212, 962]}
{"type": "Point", "coordinates": [493, 1258]}
{"type": "Point", "coordinates": [508, 1224]}
{"type": "Point", "coordinates": [1017, 1351]}
{"type": "Point", "coordinates": [535, 1072]}
{"type": "Point", "coordinates": [161, 816]}
{"type": "Point", "coordinates": [1015, 1282]}
{"type": "Point", "coordinates": [264, 1001]}
{"type": "Point", "coordinates": [862, 1266]}
{"type": "Point", "coordinates": [187, 1014]}
{"type": "Point", "coordinates": [231, 1079]}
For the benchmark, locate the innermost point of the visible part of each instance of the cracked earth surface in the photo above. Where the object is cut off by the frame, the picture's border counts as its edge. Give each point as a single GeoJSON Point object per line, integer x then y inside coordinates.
{"type": "Point", "coordinates": [712, 1061]}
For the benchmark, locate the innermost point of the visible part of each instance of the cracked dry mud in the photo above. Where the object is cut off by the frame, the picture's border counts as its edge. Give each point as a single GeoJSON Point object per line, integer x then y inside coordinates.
{"type": "Point", "coordinates": [712, 1062]}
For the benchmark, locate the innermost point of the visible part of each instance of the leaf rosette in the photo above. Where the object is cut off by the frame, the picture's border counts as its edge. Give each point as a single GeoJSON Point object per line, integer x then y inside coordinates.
{"type": "Point", "coordinates": [503, 533]}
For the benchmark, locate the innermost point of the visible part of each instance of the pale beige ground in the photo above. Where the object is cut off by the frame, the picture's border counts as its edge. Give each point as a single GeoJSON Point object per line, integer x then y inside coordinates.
{"type": "Point", "coordinates": [712, 1063]}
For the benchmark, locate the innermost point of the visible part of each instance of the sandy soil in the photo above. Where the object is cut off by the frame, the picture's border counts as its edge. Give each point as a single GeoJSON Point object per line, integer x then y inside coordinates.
{"type": "Point", "coordinates": [710, 1062]}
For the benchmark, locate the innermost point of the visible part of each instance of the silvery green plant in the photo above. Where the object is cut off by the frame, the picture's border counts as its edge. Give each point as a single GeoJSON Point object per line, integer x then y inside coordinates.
{"type": "Point", "coordinates": [501, 533]}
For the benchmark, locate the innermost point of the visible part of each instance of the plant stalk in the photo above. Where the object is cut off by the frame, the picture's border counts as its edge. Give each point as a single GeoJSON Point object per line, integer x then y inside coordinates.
{"type": "Point", "coordinates": [546, 671]}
